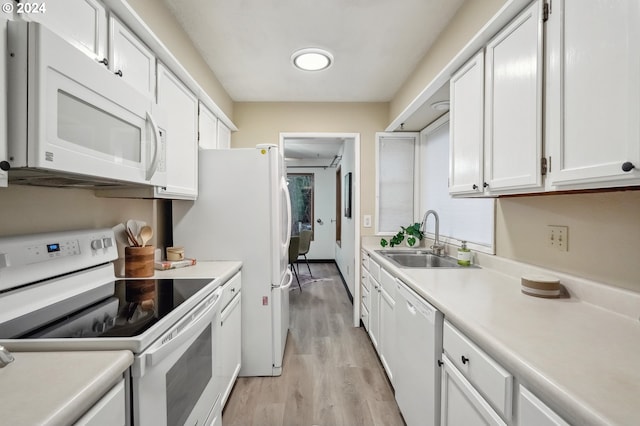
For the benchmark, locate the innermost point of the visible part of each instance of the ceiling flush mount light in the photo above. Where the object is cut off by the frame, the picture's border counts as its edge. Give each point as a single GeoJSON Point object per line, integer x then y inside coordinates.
{"type": "Point", "coordinates": [440, 106]}
{"type": "Point", "coordinates": [312, 59]}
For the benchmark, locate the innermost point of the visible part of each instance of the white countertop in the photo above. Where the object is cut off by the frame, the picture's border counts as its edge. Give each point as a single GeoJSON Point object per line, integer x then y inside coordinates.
{"type": "Point", "coordinates": [55, 388]}
{"type": "Point", "coordinates": [580, 358]}
{"type": "Point", "coordinates": [221, 270]}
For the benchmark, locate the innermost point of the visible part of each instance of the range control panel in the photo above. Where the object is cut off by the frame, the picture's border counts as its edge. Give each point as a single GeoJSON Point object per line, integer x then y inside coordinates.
{"type": "Point", "coordinates": [29, 258]}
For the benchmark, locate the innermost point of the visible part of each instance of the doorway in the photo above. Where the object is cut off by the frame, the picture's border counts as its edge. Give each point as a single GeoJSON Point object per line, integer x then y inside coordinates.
{"type": "Point", "coordinates": [330, 157]}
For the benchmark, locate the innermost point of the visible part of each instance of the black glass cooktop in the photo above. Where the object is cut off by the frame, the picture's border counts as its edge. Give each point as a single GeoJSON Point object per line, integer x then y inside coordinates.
{"type": "Point", "coordinates": [135, 306]}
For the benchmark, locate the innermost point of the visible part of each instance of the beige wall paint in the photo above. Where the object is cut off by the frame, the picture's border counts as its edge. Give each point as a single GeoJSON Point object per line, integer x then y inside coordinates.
{"type": "Point", "coordinates": [31, 209]}
{"type": "Point", "coordinates": [157, 16]}
{"type": "Point", "coordinates": [263, 122]}
{"type": "Point", "coordinates": [466, 23]}
{"type": "Point", "coordinates": [604, 234]}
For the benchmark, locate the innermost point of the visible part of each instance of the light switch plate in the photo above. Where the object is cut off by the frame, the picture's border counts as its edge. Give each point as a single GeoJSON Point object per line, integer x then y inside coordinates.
{"type": "Point", "coordinates": [367, 221]}
{"type": "Point", "coordinates": [558, 237]}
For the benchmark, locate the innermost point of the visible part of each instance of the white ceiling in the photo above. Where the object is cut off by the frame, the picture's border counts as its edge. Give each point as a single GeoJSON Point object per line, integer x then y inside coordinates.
{"type": "Point", "coordinates": [376, 44]}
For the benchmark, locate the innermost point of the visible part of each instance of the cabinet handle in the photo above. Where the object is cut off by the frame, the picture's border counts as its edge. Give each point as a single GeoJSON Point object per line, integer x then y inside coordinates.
{"type": "Point", "coordinates": [119, 73]}
{"type": "Point", "coordinates": [475, 186]}
{"type": "Point", "coordinates": [485, 184]}
{"type": "Point", "coordinates": [627, 166]}
{"type": "Point", "coordinates": [440, 363]}
{"type": "Point", "coordinates": [465, 359]}
{"type": "Point", "coordinates": [233, 290]}
{"type": "Point", "coordinates": [104, 61]}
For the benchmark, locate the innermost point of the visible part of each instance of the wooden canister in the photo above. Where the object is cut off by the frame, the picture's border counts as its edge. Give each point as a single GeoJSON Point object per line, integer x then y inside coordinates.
{"type": "Point", "coordinates": [138, 261]}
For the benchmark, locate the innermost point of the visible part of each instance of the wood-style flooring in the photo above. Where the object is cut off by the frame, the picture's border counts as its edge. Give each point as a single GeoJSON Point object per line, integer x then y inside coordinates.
{"type": "Point", "coordinates": [331, 374]}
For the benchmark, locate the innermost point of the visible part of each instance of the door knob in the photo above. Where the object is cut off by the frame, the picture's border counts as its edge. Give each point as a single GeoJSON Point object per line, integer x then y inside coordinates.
{"type": "Point", "coordinates": [320, 222]}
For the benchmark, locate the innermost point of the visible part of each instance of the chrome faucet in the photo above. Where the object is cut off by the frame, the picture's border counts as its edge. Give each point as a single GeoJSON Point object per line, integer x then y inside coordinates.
{"type": "Point", "coordinates": [437, 248]}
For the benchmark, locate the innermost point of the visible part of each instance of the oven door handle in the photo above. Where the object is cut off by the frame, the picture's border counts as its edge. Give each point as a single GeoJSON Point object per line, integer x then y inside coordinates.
{"type": "Point", "coordinates": [187, 331]}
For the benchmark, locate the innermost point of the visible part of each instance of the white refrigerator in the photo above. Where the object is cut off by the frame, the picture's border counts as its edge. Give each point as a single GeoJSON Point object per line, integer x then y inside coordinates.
{"type": "Point", "coordinates": [243, 212]}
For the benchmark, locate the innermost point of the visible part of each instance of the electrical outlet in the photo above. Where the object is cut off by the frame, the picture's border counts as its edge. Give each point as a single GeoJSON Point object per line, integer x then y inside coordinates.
{"type": "Point", "coordinates": [558, 237]}
{"type": "Point", "coordinates": [367, 221]}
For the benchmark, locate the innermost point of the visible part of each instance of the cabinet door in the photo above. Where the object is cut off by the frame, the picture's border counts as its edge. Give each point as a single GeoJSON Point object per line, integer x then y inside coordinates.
{"type": "Point", "coordinates": [224, 136]}
{"type": "Point", "coordinates": [387, 339]}
{"type": "Point", "coordinates": [4, 178]}
{"type": "Point", "coordinates": [230, 345]}
{"type": "Point", "coordinates": [467, 127]}
{"type": "Point", "coordinates": [109, 410]}
{"type": "Point", "coordinates": [181, 107]}
{"type": "Point", "coordinates": [513, 108]}
{"type": "Point", "coordinates": [593, 93]}
{"type": "Point", "coordinates": [533, 412]}
{"type": "Point", "coordinates": [131, 59]}
{"type": "Point", "coordinates": [207, 128]}
{"type": "Point", "coordinates": [374, 314]}
{"type": "Point", "coordinates": [462, 405]}
{"type": "Point", "coordinates": [81, 22]}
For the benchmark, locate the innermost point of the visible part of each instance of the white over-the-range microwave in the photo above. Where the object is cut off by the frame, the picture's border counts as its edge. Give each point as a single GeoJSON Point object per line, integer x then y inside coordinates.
{"type": "Point", "coordinates": [71, 122]}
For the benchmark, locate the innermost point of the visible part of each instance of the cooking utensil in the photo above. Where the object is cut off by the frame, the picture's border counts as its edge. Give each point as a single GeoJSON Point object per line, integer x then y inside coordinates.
{"type": "Point", "coordinates": [146, 233]}
{"type": "Point", "coordinates": [135, 226]}
{"type": "Point", "coordinates": [132, 238]}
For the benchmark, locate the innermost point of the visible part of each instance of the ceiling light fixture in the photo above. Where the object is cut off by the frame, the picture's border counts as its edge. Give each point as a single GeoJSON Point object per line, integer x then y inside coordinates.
{"type": "Point", "coordinates": [312, 59]}
{"type": "Point", "coordinates": [440, 106]}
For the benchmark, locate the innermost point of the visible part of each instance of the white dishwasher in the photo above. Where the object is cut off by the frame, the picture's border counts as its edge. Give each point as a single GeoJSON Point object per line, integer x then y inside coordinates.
{"type": "Point", "coordinates": [418, 351]}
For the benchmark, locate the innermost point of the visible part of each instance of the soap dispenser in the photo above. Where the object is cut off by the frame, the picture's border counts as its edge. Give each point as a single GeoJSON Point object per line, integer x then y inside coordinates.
{"type": "Point", "coordinates": [464, 255]}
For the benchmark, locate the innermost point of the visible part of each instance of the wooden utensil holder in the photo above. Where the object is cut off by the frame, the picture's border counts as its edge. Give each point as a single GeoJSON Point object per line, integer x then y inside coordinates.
{"type": "Point", "coordinates": [138, 261]}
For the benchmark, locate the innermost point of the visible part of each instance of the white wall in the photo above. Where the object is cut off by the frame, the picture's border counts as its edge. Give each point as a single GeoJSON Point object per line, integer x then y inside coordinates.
{"type": "Point", "coordinates": [345, 254]}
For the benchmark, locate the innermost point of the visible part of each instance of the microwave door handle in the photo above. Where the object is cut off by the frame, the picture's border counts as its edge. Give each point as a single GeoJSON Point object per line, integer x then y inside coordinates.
{"type": "Point", "coordinates": [156, 144]}
{"type": "Point", "coordinates": [155, 356]}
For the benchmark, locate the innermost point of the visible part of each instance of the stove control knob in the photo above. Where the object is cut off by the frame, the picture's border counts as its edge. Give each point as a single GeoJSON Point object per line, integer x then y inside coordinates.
{"type": "Point", "coordinates": [108, 242]}
{"type": "Point", "coordinates": [97, 244]}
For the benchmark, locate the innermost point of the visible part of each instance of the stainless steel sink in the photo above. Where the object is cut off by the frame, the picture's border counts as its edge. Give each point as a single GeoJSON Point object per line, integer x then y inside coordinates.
{"type": "Point", "coordinates": [420, 259]}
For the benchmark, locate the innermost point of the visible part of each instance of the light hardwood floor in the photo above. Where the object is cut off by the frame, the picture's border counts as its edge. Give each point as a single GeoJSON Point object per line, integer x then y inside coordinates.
{"type": "Point", "coordinates": [331, 374]}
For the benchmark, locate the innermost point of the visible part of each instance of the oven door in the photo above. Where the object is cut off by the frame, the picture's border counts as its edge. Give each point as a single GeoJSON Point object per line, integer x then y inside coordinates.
{"type": "Point", "coordinates": [173, 380]}
{"type": "Point", "coordinates": [79, 117]}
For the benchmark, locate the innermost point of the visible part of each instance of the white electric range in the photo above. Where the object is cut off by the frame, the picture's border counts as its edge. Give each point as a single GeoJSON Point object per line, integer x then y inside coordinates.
{"type": "Point", "coordinates": [58, 292]}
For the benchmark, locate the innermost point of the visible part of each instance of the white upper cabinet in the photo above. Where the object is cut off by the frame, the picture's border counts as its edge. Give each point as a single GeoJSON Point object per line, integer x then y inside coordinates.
{"type": "Point", "coordinates": [181, 107]}
{"type": "Point", "coordinates": [223, 136]}
{"type": "Point", "coordinates": [513, 108]}
{"type": "Point", "coordinates": [207, 128]}
{"type": "Point", "coordinates": [81, 22]}
{"type": "Point", "coordinates": [496, 113]}
{"type": "Point", "coordinates": [467, 128]}
{"type": "Point", "coordinates": [131, 59]}
{"type": "Point", "coordinates": [593, 94]}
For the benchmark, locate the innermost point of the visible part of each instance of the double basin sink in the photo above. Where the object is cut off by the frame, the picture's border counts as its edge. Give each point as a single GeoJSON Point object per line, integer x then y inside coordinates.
{"type": "Point", "coordinates": [420, 259]}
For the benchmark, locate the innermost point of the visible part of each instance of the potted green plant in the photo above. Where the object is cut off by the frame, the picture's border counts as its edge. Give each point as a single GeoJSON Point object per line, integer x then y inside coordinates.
{"type": "Point", "coordinates": [412, 234]}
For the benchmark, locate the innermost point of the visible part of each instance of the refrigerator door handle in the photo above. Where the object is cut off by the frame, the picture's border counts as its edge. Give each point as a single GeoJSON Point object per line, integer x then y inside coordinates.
{"type": "Point", "coordinates": [287, 285]}
{"type": "Point", "coordinates": [285, 190]}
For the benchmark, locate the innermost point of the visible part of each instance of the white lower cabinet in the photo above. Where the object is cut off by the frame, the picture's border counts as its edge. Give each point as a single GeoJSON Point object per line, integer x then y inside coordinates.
{"type": "Point", "coordinates": [533, 412]}
{"type": "Point", "coordinates": [387, 341]}
{"type": "Point", "coordinates": [229, 345]}
{"type": "Point", "coordinates": [110, 410]}
{"type": "Point", "coordinates": [474, 386]}
{"type": "Point", "coordinates": [374, 313]}
{"type": "Point", "coordinates": [462, 404]}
